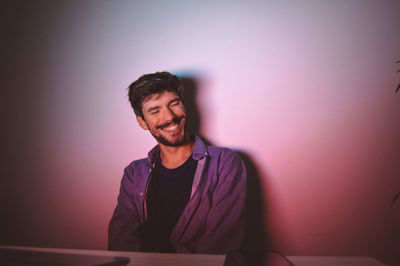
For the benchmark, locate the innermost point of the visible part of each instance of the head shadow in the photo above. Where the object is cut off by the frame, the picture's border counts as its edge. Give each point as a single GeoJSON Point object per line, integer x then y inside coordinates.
{"type": "Point", "coordinates": [256, 231]}
{"type": "Point", "coordinates": [193, 114]}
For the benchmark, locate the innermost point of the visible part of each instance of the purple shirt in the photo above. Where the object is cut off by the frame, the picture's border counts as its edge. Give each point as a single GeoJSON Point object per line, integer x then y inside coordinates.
{"type": "Point", "coordinates": [213, 219]}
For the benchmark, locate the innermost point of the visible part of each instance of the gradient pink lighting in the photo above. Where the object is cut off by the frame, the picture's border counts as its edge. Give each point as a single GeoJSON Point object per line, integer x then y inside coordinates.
{"type": "Point", "coordinates": [305, 89]}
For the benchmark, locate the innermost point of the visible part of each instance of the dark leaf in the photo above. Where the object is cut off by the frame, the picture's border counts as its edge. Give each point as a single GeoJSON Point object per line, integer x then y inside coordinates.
{"type": "Point", "coordinates": [397, 195]}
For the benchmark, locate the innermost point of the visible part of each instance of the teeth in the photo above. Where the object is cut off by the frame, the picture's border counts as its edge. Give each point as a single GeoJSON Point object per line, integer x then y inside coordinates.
{"type": "Point", "coordinates": [171, 127]}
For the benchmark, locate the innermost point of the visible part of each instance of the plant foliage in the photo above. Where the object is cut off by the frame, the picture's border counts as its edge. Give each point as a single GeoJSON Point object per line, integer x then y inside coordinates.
{"type": "Point", "coordinates": [398, 70]}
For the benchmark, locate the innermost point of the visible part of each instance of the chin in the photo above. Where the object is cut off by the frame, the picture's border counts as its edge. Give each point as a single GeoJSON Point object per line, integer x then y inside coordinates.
{"type": "Point", "coordinates": [174, 142]}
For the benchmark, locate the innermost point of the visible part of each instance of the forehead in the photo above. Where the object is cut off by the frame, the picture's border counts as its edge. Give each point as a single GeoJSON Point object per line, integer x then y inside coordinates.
{"type": "Point", "coordinates": [159, 98]}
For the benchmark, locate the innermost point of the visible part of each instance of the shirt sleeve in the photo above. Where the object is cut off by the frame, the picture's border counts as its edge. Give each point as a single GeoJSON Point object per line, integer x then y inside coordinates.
{"type": "Point", "coordinates": [124, 227]}
{"type": "Point", "coordinates": [225, 221]}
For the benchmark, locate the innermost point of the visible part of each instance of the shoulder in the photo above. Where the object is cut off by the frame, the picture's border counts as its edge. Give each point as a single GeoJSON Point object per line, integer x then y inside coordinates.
{"type": "Point", "coordinates": [137, 165]}
{"type": "Point", "coordinates": [227, 168]}
{"type": "Point", "coordinates": [136, 172]}
{"type": "Point", "coordinates": [224, 157]}
{"type": "Point", "coordinates": [223, 153]}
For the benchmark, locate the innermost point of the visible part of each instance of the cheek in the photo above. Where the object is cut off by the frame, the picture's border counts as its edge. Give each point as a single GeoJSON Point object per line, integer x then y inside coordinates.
{"type": "Point", "coordinates": [154, 121]}
{"type": "Point", "coordinates": [149, 122]}
{"type": "Point", "coordinates": [181, 111]}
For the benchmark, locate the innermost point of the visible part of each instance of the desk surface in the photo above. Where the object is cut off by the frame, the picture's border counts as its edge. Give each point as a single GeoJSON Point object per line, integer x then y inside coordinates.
{"type": "Point", "coordinates": [141, 258]}
{"type": "Point", "coordinates": [150, 259]}
{"type": "Point", "coordinates": [333, 261]}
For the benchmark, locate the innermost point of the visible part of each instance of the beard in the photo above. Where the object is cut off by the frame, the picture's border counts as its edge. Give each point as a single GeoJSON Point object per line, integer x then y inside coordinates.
{"type": "Point", "coordinates": [173, 143]}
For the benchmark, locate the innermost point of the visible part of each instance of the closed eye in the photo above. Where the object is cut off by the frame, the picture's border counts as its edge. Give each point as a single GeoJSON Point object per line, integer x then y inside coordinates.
{"type": "Point", "coordinates": [153, 110]}
{"type": "Point", "coordinates": [175, 102]}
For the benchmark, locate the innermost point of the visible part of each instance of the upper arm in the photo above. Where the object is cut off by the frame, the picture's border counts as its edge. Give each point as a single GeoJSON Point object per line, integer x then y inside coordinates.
{"type": "Point", "coordinates": [124, 227]}
{"type": "Point", "coordinates": [225, 221]}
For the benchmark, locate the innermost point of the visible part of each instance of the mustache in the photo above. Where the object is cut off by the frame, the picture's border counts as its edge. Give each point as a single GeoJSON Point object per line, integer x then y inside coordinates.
{"type": "Point", "coordinates": [175, 120]}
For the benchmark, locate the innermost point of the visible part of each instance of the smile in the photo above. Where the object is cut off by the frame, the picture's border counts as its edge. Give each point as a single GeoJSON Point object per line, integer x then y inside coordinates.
{"type": "Point", "coordinates": [171, 127]}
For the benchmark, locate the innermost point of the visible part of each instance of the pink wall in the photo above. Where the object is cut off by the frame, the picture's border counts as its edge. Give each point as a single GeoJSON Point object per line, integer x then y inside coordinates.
{"type": "Point", "coordinates": [305, 89]}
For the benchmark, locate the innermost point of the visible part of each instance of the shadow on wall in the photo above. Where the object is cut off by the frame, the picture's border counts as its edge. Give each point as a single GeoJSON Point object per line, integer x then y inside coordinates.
{"type": "Point", "coordinates": [256, 238]}
{"type": "Point", "coordinates": [192, 110]}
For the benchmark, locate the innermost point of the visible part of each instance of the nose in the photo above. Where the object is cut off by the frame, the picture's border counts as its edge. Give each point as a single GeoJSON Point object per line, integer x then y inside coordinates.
{"type": "Point", "coordinates": [169, 114]}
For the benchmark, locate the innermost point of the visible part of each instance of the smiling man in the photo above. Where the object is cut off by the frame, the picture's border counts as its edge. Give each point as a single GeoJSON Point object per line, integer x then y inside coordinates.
{"type": "Point", "coordinates": [185, 196]}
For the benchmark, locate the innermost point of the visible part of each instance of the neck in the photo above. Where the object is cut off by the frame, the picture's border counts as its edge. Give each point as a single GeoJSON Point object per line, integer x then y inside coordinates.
{"type": "Point", "coordinates": [173, 157]}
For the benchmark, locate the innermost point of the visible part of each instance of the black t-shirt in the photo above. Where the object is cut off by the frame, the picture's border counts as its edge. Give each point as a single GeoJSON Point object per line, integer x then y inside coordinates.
{"type": "Point", "coordinates": [167, 195]}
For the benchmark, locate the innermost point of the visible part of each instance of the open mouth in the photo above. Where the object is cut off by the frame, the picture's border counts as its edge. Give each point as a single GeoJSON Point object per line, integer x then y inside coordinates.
{"type": "Point", "coordinates": [171, 126]}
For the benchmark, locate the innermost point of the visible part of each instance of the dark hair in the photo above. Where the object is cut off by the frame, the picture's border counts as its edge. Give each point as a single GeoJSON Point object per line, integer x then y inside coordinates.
{"type": "Point", "coordinates": [149, 84]}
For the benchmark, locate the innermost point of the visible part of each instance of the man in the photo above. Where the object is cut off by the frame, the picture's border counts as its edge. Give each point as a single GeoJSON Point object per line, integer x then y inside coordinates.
{"type": "Point", "coordinates": [185, 197]}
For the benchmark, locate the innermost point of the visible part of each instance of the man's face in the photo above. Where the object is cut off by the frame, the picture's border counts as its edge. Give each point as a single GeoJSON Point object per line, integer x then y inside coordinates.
{"type": "Point", "coordinates": [165, 117]}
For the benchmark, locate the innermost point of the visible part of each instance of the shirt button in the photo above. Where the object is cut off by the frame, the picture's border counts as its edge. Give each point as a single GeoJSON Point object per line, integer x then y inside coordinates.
{"type": "Point", "coordinates": [141, 194]}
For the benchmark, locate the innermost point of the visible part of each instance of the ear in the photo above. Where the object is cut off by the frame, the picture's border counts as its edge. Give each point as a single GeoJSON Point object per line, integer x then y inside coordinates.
{"type": "Point", "coordinates": [141, 122]}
